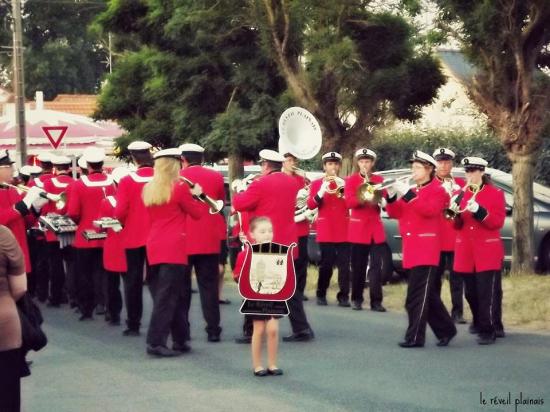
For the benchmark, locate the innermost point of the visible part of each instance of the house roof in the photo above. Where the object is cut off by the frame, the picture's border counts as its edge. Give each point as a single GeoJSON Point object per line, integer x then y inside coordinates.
{"type": "Point", "coordinates": [84, 104]}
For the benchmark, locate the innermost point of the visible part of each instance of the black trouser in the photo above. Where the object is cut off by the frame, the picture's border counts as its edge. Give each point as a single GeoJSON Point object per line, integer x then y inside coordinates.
{"type": "Point", "coordinates": [170, 286]}
{"type": "Point", "coordinates": [206, 270]}
{"type": "Point", "coordinates": [41, 269]}
{"type": "Point", "coordinates": [360, 255]}
{"type": "Point", "coordinates": [424, 305]}
{"type": "Point", "coordinates": [334, 254]}
{"type": "Point", "coordinates": [456, 284]}
{"type": "Point", "coordinates": [297, 315]}
{"type": "Point", "coordinates": [484, 295]}
{"type": "Point", "coordinates": [10, 393]}
{"type": "Point", "coordinates": [56, 272]}
{"type": "Point", "coordinates": [133, 285]}
{"type": "Point", "coordinates": [90, 277]}
{"type": "Point", "coordinates": [300, 264]}
{"type": "Point", "coordinates": [114, 297]}
{"type": "Point", "coordinates": [69, 255]}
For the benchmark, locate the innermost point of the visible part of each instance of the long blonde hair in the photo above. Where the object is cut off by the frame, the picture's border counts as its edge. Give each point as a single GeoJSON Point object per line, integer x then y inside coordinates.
{"type": "Point", "coordinates": [159, 190]}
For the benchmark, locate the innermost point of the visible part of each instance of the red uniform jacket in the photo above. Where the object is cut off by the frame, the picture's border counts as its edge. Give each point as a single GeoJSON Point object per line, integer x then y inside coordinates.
{"type": "Point", "coordinates": [272, 196]}
{"type": "Point", "coordinates": [302, 228]}
{"type": "Point", "coordinates": [85, 199]}
{"type": "Point", "coordinates": [448, 231]}
{"type": "Point", "coordinates": [204, 233]}
{"type": "Point", "coordinates": [130, 210]}
{"type": "Point", "coordinates": [365, 224]}
{"type": "Point", "coordinates": [114, 255]}
{"type": "Point", "coordinates": [478, 245]}
{"type": "Point", "coordinates": [55, 185]}
{"type": "Point", "coordinates": [167, 238]}
{"type": "Point", "coordinates": [419, 223]}
{"type": "Point", "coordinates": [13, 220]}
{"type": "Point", "coordinates": [332, 217]}
{"type": "Point", "coordinates": [41, 180]}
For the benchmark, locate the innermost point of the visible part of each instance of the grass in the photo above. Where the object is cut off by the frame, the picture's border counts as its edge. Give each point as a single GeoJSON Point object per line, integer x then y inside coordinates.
{"type": "Point", "coordinates": [526, 299]}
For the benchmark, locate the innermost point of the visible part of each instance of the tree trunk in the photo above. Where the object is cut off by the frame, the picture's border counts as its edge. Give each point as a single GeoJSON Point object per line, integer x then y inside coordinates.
{"type": "Point", "coordinates": [523, 168]}
{"type": "Point", "coordinates": [235, 169]}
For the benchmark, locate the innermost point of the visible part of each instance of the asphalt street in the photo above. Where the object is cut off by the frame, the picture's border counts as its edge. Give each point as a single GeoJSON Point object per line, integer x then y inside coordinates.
{"type": "Point", "coordinates": [354, 364]}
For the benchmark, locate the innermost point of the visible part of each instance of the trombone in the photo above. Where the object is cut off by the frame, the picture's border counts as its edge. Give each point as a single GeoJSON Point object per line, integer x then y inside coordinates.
{"type": "Point", "coordinates": [60, 200]}
{"type": "Point", "coordinates": [367, 192]}
{"type": "Point", "coordinates": [454, 210]}
{"type": "Point", "coordinates": [215, 205]}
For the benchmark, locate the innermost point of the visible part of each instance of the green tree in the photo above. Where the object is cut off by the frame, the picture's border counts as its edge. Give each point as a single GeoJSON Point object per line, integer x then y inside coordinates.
{"type": "Point", "coordinates": [508, 43]}
{"type": "Point", "coordinates": [199, 74]}
{"type": "Point", "coordinates": [61, 55]}
{"type": "Point", "coordinates": [352, 65]}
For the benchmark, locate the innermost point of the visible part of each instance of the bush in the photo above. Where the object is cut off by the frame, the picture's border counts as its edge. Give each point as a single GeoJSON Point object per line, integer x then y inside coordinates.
{"type": "Point", "coordinates": [394, 148]}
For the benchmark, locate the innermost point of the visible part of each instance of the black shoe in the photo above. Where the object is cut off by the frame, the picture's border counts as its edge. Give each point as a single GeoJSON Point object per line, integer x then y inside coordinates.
{"type": "Point", "coordinates": [410, 344]}
{"type": "Point", "coordinates": [224, 302]}
{"type": "Point", "coordinates": [212, 337]}
{"type": "Point", "coordinates": [444, 341]}
{"type": "Point", "coordinates": [244, 339]}
{"type": "Point", "coordinates": [378, 308]}
{"type": "Point", "coordinates": [344, 303]}
{"type": "Point", "coordinates": [458, 318]}
{"type": "Point", "coordinates": [322, 301]}
{"type": "Point", "coordinates": [275, 372]}
{"type": "Point", "coordinates": [499, 333]}
{"type": "Point", "coordinates": [85, 317]}
{"type": "Point", "coordinates": [302, 336]}
{"type": "Point", "coordinates": [131, 332]}
{"type": "Point", "coordinates": [100, 310]}
{"type": "Point", "coordinates": [107, 317]}
{"type": "Point", "coordinates": [181, 347]}
{"type": "Point", "coordinates": [473, 329]}
{"type": "Point", "coordinates": [261, 373]}
{"type": "Point", "coordinates": [305, 298]}
{"type": "Point", "coordinates": [114, 321]}
{"type": "Point", "coordinates": [162, 351]}
{"type": "Point", "coordinates": [356, 305]}
{"type": "Point", "coordinates": [486, 340]}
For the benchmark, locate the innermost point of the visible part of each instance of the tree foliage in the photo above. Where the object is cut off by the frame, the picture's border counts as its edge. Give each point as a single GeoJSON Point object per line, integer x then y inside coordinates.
{"type": "Point", "coordinates": [61, 55]}
{"type": "Point", "coordinates": [351, 65]}
{"type": "Point", "coordinates": [198, 74]}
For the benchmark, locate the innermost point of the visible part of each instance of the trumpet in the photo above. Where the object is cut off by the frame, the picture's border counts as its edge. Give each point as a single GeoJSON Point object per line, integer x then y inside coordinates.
{"type": "Point", "coordinates": [60, 200]}
{"type": "Point", "coordinates": [367, 192]}
{"type": "Point", "coordinates": [339, 183]}
{"type": "Point", "coordinates": [391, 182]}
{"type": "Point", "coordinates": [454, 210]}
{"type": "Point", "coordinates": [215, 205]}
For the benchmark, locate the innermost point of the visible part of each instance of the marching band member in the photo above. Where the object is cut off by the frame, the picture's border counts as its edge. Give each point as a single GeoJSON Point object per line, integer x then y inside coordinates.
{"type": "Point", "coordinates": [418, 210]}
{"type": "Point", "coordinates": [302, 228]}
{"type": "Point", "coordinates": [114, 254]}
{"type": "Point", "coordinates": [445, 158]}
{"type": "Point", "coordinates": [39, 243]}
{"type": "Point", "coordinates": [479, 251]}
{"type": "Point", "coordinates": [332, 229]}
{"type": "Point", "coordinates": [56, 185]}
{"type": "Point", "coordinates": [82, 166]}
{"type": "Point", "coordinates": [204, 250]}
{"type": "Point", "coordinates": [169, 202]}
{"type": "Point", "coordinates": [28, 172]}
{"type": "Point", "coordinates": [84, 204]}
{"type": "Point", "coordinates": [365, 233]}
{"type": "Point", "coordinates": [14, 207]}
{"type": "Point", "coordinates": [274, 195]}
{"type": "Point", "coordinates": [133, 215]}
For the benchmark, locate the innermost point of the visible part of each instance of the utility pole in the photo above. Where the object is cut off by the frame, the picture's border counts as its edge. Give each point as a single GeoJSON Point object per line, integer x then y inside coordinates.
{"type": "Point", "coordinates": [19, 84]}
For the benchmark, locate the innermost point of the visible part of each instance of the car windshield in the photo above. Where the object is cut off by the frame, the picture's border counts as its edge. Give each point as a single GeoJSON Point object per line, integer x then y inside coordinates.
{"type": "Point", "coordinates": [541, 193]}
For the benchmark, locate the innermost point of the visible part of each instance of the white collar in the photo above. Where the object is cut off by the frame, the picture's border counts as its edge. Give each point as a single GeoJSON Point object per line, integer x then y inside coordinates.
{"type": "Point", "coordinates": [99, 183]}
{"type": "Point", "coordinates": [58, 184]}
{"type": "Point", "coordinates": [140, 179]}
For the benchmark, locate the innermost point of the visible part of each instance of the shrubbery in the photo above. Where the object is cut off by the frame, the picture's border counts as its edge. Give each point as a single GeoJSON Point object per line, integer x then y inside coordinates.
{"type": "Point", "coordinates": [394, 148]}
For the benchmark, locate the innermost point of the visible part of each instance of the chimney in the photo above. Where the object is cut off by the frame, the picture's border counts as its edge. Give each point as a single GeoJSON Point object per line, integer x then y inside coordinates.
{"type": "Point", "coordinates": [39, 100]}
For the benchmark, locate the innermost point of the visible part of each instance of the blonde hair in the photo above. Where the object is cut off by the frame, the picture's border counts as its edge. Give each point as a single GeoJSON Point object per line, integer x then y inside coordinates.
{"type": "Point", "coordinates": [159, 190]}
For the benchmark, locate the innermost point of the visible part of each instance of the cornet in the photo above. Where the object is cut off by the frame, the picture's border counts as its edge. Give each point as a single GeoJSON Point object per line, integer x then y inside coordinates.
{"type": "Point", "coordinates": [367, 192]}
{"type": "Point", "coordinates": [215, 205]}
{"type": "Point", "coordinates": [60, 200]}
{"type": "Point", "coordinates": [339, 183]}
{"type": "Point", "coordinates": [454, 209]}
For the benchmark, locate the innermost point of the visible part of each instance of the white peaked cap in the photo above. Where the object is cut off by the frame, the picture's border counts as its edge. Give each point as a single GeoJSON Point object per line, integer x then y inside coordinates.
{"type": "Point", "coordinates": [271, 155]}
{"type": "Point", "coordinates": [191, 147]}
{"type": "Point", "coordinates": [172, 152]}
{"type": "Point", "coordinates": [474, 161]}
{"type": "Point", "coordinates": [139, 145]}
{"type": "Point", "coordinates": [419, 155]}
{"type": "Point", "coordinates": [94, 155]}
{"type": "Point", "coordinates": [364, 152]}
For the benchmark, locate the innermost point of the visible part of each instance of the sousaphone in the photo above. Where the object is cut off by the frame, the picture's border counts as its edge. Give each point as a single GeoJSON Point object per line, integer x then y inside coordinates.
{"type": "Point", "coordinates": [299, 133]}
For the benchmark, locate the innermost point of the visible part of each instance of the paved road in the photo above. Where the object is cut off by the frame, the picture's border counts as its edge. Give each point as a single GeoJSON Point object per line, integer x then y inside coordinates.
{"type": "Point", "coordinates": [354, 365]}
